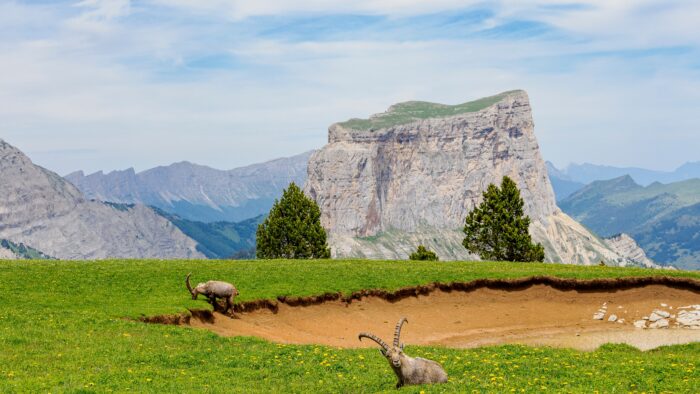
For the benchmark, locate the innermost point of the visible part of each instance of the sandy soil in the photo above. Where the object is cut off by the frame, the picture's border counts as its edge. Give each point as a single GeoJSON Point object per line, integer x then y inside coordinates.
{"type": "Point", "coordinates": [539, 315]}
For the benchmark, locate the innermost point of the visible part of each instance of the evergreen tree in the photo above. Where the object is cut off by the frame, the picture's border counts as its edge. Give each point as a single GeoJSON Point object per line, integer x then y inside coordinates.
{"type": "Point", "coordinates": [293, 229]}
{"type": "Point", "coordinates": [498, 229]}
{"type": "Point", "coordinates": [423, 254]}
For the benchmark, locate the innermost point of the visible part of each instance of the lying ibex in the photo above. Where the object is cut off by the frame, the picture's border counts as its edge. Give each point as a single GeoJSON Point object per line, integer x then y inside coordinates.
{"type": "Point", "coordinates": [212, 290]}
{"type": "Point", "coordinates": [409, 370]}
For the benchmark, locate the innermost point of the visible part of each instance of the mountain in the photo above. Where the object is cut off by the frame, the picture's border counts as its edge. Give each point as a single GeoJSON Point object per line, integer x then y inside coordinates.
{"type": "Point", "coordinates": [220, 240]}
{"type": "Point", "coordinates": [587, 173]}
{"type": "Point", "coordinates": [195, 192]}
{"type": "Point", "coordinates": [12, 251]}
{"type": "Point", "coordinates": [663, 218]}
{"type": "Point", "coordinates": [410, 175]}
{"type": "Point", "coordinates": [562, 183]}
{"type": "Point", "coordinates": [45, 213]}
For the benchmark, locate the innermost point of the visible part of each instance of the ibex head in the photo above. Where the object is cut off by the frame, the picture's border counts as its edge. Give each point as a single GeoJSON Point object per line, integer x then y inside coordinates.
{"type": "Point", "coordinates": [197, 290]}
{"type": "Point", "coordinates": [394, 353]}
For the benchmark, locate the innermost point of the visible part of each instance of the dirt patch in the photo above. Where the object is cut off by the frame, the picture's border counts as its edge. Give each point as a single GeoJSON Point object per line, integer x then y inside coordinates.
{"type": "Point", "coordinates": [559, 313]}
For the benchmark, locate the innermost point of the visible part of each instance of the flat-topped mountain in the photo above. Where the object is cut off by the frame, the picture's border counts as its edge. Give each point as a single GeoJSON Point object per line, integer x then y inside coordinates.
{"type": "Point", "coordinates": [411, 174]}
{"type": "Point", "coordinates": [42, 212]}
{"type": "Point", "coordinates": [197, 192]}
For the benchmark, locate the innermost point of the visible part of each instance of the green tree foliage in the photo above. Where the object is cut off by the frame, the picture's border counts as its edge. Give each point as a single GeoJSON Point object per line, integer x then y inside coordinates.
{"type": "Point", "coordinates": [293, 229]}
{"type": "Point", "coordinates": [423, 254]}
{"type": "Point", "coordinates": [498, 228]}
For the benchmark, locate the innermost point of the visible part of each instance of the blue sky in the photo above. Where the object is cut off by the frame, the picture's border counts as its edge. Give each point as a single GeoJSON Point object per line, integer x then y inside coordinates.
{"type": "Point", "coordinates": [111, 84]}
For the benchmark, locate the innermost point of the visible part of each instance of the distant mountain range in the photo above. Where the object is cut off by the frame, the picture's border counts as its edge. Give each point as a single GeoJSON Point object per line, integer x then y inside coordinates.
{"type": "Point", "coordinates": [43, 215]}
{"type": "Point", "coordinates": [663, 218]}
{"type": "Point", "coordinates": [562, 184]}
{"type": "Point", "coordinates": [576, 176]}
{"type": "Point", "coordinates": [195, 192]}
{"type": "Point", "coordinates": [219, 240]}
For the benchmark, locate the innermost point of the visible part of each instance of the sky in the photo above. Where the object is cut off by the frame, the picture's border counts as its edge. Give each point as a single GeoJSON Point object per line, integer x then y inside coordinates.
{"type": "Point", "coordinates": [110, 84]}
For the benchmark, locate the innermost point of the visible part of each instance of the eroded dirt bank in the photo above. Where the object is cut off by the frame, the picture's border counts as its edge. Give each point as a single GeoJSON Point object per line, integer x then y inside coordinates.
{"type": "Point", "coordinates": [538, 314]}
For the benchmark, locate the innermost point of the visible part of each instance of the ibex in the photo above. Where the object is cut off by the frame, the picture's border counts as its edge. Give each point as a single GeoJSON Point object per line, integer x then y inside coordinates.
{"type": "Point", "coordinates": [409, 370]}
{"type": "Point", "coordinates": [212, 290]}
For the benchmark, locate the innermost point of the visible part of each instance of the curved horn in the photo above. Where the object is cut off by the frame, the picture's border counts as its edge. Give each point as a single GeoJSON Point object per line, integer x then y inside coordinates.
{"type": "Point", "coordinates": [374, 338]}
{"type": "Point", "coordinates": [187, 283]}
{"type": "Point", "coordinates": [397, 332]}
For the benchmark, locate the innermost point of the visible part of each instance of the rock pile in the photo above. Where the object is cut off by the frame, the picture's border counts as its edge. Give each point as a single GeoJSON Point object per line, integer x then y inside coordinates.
{"type": "Point", "coordinates": [685, 317]}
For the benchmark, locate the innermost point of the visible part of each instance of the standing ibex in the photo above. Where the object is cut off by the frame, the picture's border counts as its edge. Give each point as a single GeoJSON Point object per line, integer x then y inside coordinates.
{"type": "Point", "coordinates": [212, 290]}
{"type": "Point", "coordinates": [409, 370]}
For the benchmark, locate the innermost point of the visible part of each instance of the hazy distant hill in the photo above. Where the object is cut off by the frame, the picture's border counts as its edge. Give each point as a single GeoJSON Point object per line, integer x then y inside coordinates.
{"type": "Point", "coordinates": [663, 219]}
{"type": "Point", "coordinates": [220, 240]}
{"type": "Point", "coordinates": [587, 173]}
{"type": "Point", "coordinates": [561, 183]}
{"type": "Point", "coordinates": [196, 192]}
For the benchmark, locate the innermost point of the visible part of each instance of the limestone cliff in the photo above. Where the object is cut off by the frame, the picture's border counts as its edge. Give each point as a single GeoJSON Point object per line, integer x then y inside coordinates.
{"type": "Point", "coordinates": [411, 174]}
{"type": "Point", "coordinates": [41, 209]}
{"type": "Point", "coordinates": [627, 247]}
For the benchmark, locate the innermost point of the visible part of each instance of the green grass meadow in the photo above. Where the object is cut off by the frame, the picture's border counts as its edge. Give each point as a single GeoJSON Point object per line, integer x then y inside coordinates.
{"type": "Point", "coordinates": [70, 327]}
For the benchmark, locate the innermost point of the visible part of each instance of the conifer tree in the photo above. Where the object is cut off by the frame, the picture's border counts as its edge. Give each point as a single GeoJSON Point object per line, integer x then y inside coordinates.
{"type": "Point", "coordinates": [498, 229]}
{"type": "Point", "coordinates": [422, 253]}
{"type": "Point", "coordinates": [293, 229]}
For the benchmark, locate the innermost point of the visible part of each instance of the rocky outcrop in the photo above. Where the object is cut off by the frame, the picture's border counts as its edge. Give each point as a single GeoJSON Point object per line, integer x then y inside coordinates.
{"type": "Point", "coordinates": [196, 192]}
{"type": "Point", "coordinates": [41, 209]}
{"type": "Point", "coordinates": [624, 245]}
{"type": "Point", "coordinates": [411, 175]}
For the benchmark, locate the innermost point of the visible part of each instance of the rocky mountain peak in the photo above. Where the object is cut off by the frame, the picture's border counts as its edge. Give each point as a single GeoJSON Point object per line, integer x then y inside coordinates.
{"type": "Point", "coordinates": [43, 211]}
{"type": "Point", "coordinates": [411, 175]}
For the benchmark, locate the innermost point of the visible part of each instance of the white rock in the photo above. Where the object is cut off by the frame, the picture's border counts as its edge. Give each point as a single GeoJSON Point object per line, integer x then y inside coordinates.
{"type": "Point", "coordinates": [689, 319]}
{"type": "Point", "coordinates": [621, 321]}
{"type": "Point", "coordinates": [640, 324]}
{"type": "Point", "coordinates": [662, 323]}
{"type": "Point", "coordinates": [662, 313]}
{"type": "Point", "coordinates": [654, 317]}
{"type": "Point", "coordinates": [612, 318]}
{"type": "Point", "coordinates": [598, 316]}
{"type": "Point", "coordinates": [664, 305]}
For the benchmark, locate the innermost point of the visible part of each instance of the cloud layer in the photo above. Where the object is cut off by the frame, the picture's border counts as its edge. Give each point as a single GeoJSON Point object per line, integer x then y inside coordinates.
{"type": "Point", "coordinates": [100, 84]}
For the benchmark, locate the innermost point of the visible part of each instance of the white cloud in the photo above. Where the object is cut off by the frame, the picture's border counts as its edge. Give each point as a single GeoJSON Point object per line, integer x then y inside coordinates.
{"type": "Point", "coordinates": [121, 93]}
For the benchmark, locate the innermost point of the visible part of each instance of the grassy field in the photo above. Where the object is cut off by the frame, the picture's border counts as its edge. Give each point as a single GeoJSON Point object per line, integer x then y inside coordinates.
{"type": "Point", "coordinates": [412, 111]}
{"type": "Point", "coordinates": [67, 327]}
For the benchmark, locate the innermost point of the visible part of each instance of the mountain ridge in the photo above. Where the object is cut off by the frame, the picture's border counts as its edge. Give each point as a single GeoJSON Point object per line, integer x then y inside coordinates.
{"type": "Point", "coordinates": [43, 211]}
{"type": "Point", "coordinates": [663, 218]}
{"type": "Point", "coordinates": [196, 192]}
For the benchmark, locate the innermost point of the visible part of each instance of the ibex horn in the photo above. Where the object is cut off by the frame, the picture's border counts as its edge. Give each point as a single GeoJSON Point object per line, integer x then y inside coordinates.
{"type": "Point", "coordinates": [397, 333]}
{"type": "Point", "coordinates": [187, 283]}
{"type": "Point", "coordinates": [374, 338]}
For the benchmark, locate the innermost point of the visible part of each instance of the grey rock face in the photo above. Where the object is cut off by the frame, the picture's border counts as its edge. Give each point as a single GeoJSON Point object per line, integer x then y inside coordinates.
{"type": "Point", "coordinates": [41, 209]}
{"type": "Point", "coordinates": [383, 191]}
{"type": "Point", "coordinates": [627, 247]}
{"type": "Point", "coordinates": [7, 254]}
{"type": "Point", "coordinates": [198, 192]}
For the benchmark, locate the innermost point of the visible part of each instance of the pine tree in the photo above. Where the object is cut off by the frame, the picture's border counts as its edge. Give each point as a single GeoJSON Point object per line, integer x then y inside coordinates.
{"type": "Point", "coordinates": [498, 229]}
{"type": "Point", "coordinates": [293, 229]}
{"type": "Point", "coordinates": [423, 254]}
